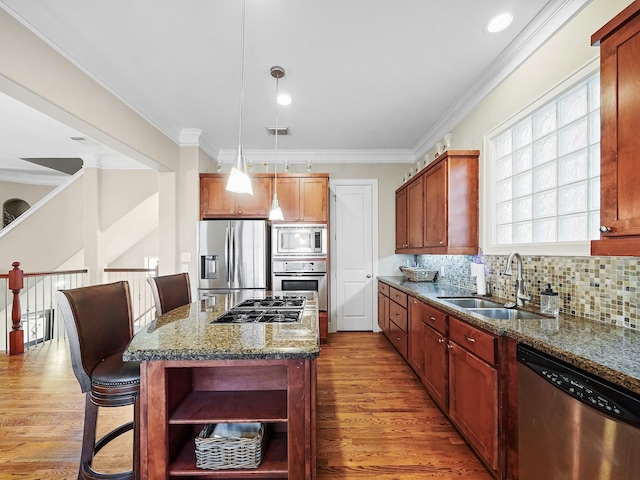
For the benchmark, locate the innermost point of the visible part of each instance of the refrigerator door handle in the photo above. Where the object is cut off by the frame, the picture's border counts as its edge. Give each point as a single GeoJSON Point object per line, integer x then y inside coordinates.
{"type": "Point", "coordinates": [232, 248]}
{"type": "Point", "coordinates": [227, 254]}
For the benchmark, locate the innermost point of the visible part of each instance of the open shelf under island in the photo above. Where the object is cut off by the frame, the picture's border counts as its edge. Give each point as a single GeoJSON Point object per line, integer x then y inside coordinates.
{"type": "Point", "coordinates": [194, 372]}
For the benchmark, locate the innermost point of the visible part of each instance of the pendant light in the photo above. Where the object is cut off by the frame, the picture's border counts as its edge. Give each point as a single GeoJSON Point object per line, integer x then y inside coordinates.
{"type": "Point", "coordinates": [239, 181]}
{"type": "Point", "coordinates": [276, 211]}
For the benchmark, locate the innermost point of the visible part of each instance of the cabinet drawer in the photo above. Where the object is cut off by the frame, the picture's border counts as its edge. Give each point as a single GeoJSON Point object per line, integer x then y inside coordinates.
{"type": "Point", "coordinates": [383, 288]}
{"type": "Point", "coordinates": [398, 315]}
{"type": "Point", "coordinates": [398, 338]}
{"type": "Point", "coordinates": [476, 341]}
{"type": "Point", "coordinates": [435, 319]}
{"type": "Point", "coordinates": [397, 296]}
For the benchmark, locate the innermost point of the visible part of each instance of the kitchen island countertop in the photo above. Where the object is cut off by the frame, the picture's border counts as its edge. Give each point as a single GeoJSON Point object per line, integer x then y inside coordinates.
{"type": "Point", "coordinates": [609, 351]}
{"type": "Point", "coordinates": [186, 333]}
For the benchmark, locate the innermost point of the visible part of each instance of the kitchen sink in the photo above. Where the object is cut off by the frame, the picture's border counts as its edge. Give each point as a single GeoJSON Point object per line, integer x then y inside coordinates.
{"type": "Point", "coordinates": [506, 314]}
{"type": "Point", "coordinates": [471, 302]}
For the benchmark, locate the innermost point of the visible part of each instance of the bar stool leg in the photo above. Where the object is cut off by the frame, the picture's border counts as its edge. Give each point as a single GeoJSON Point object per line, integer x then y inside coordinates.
{"type": "Point", "coordinates": [89, 434]}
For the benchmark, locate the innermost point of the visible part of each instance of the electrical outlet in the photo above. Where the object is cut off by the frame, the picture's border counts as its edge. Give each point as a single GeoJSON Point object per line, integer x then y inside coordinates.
{"type": "Point", "coordinates": [442, 270]}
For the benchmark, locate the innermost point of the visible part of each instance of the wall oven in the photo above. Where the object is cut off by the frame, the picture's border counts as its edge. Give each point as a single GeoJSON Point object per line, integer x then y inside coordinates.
{"type": "Point", "coordinates": [301, 276]}
{"type": "Point", "coordinates": [299, 240]}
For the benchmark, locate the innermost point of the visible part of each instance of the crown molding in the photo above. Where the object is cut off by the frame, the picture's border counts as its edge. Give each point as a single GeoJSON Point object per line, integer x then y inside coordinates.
{"type": "Point", "coordinates": [552, 18]}
{"type": "Point", "coordinates": [321, 156]}
{"type": "Point", "coordinates": [190, 137]}
{"type": "Point", "coordinates": [28, 177]}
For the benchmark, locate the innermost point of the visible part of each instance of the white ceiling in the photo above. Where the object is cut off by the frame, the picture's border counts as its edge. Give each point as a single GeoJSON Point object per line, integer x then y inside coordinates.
{"type": "Point", "coordinates": [371, 78]}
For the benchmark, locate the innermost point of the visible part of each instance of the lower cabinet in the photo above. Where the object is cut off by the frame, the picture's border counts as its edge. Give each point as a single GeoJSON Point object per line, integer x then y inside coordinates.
{"type": "Point", "coordinates": [383, 307]}
{"type": "Point", "coordinates": [457, 363]}
{"type": "Point", "coordinates": [415, 353]}
{"type": "Point", "coordinates": [398, 320]}
{"type": "Point", "coordinates": [473, 388]}
{"type": "Point", "coordinates": [435, 375]}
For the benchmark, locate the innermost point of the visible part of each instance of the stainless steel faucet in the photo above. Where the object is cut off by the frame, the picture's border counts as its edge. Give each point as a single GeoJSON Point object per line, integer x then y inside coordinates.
{"type": "Point", "coordinates": [521, 290]}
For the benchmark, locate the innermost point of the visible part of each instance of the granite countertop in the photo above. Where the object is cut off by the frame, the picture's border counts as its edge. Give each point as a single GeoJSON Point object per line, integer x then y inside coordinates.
{"type": "Point", "coordinates": [609, 351]}
{"type": "Point", "coordinates": [186, 333]}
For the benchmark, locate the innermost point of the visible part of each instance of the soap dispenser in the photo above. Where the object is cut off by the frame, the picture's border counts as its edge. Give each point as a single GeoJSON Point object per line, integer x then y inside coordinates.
{"type": "Point", "coordinates": [549, 301]}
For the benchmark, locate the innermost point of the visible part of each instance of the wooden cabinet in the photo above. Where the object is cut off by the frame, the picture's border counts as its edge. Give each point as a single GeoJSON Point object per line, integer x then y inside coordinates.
{"type": "Point", "coordinates": [410, 216]}
{"type": "Point", "coordinates": [445, 221]}
{"type": "Point", "coordinates": [402, 241]}
{"type": "Point", "coordinates": [435, 377]}
{"type": "Point", "coordinates": [398, 320]}
{"type": "Point", "coordinates": [304, 198]}
{"type": "Point", "coordinates": [383, 307]}
{"type": "Point", "coordinates": [619, 42]}
{"type": "Point", "coordinates": [473, 388]}
{"type": "Point", "coordinates": [415, 353]}
{"type": "Point", "coordinates": [434, 354]}
{"type": "Point", "coordinates": [189, 394]}
{"type": "Point", "coordinates": [217, 202]}
{"type": "Point", "coordinates": [435, 206]}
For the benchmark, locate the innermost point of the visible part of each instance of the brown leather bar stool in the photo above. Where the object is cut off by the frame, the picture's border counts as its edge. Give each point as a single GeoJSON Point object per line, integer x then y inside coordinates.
{"type": "Point", "coordinates": [99, 327]}
{"type": "Point", "coordinates": [170, 291]}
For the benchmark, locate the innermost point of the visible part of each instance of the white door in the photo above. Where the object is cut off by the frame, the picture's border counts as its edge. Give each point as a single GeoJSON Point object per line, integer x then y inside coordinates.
{"type": "Point", "coordinates": [354, 234]}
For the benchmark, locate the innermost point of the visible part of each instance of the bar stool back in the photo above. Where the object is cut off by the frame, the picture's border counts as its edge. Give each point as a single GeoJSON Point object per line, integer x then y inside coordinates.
{"type": "Point", "coordinates": [170, 291]}
{"type": "Point", "coordinates": [99, 327]}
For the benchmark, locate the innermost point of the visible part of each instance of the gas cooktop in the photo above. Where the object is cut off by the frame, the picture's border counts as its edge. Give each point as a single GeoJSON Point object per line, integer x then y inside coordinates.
{"type": "Point", "coordinates": [285, 309]}
{"type": "Point", "coordinates": [273, 302]}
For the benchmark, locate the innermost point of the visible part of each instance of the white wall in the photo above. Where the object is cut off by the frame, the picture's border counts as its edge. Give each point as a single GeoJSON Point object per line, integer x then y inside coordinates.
{"type": "Point", "coordinates": [24, 191]}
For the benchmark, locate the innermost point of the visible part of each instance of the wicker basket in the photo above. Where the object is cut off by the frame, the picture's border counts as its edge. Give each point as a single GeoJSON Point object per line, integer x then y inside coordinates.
{"type": "Point", "coordinates": [229, 452]}
{"type": "Point", "coordinates": [417, 274]}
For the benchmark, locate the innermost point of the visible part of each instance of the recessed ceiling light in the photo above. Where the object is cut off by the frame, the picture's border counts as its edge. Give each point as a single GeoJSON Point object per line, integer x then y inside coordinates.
{"type": "Point", "coordinates": [499, 22]}
{"type": "Point", "coordinates": [284, 99]}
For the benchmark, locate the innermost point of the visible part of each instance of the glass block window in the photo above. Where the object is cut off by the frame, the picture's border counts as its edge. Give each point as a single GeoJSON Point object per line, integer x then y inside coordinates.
{"type": "Point", "coordinates": [546, 171]}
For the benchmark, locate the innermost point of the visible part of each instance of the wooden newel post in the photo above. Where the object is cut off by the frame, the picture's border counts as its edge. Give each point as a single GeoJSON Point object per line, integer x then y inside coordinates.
{"type": "Point", "coordinates": [16, 336]}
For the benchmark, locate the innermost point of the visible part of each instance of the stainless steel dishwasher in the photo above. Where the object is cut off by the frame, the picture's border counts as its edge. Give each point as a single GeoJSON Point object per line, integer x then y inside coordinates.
{"type": "Point", "coordinates": [573, 425]}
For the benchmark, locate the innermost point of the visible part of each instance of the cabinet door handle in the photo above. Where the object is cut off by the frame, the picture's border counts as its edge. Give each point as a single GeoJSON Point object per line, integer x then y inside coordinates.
{"type": "Point", "coordinates": [368, 275]}
{"type": "Point", "coordinates": [239, 211]}
{"type": "Point", "coordinates": [433, 319]}
{"type": "Point", "coordinates": [441, 340]}
{"type": "Point", "coordinates": [397, 339]}
{"type": "Point", "coordinates": [449, 346]}
{"type": "Point", "coordinates": [441, 242]}
{"type": "Point", "coordinates": [469, 339]}
{"type": "Point", "coordinates": [605, 229]}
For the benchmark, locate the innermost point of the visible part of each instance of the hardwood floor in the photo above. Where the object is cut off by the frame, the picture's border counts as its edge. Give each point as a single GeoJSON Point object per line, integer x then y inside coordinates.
{"type": "Point", "coordinates": [374, 418]}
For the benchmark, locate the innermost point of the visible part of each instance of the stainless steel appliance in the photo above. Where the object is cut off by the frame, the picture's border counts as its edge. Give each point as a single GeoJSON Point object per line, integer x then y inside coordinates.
{"type": "Point", "coordinates": [299, 240]}
{"type": "Point", "coordinates": [273, 309]}
{"type": "Point", "coordinates": [573, 425]}
{"type": "Point", "coordinates": [300, 276]}
{"type": "Point", "coordinates": [233, 254]}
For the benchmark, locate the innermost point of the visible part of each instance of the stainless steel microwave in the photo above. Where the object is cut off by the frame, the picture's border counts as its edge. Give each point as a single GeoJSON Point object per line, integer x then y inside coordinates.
{"type": "Point", "coordinates": [296, 240]}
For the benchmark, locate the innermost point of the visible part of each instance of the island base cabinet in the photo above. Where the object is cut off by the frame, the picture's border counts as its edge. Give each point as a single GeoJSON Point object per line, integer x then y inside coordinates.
{"type": "Point", "coordinates": [179, 397]}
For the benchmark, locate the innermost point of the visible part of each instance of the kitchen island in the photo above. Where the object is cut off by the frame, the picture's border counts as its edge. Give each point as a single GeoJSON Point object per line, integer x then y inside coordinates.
{"type": "Point", "coordinates": [194, 372]}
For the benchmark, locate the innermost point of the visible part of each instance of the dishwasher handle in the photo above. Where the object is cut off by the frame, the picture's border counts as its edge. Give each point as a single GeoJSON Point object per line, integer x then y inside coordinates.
{"type": "Point", "coordinates": [607, 398]}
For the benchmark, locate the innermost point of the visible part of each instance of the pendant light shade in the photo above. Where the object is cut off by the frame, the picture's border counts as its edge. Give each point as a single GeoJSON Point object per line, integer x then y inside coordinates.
{"type": "Point", "coordinates": [276, 211]}
{"type": "Point", "coordinates": [239, 180]}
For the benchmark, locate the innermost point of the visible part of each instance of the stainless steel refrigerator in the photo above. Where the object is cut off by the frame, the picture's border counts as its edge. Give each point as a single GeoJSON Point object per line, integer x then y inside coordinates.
{"type": "Point", "coordinates": [233, 254]}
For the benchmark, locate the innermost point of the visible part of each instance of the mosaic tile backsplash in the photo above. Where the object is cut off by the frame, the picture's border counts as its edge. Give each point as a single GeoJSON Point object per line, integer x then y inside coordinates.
{"type": "Point", "coordinates": [599, 288]}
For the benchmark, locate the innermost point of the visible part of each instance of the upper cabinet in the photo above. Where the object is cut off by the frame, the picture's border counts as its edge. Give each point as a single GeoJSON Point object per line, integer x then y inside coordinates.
{"type": "Point", "coordinates": [409, 217]}
{"type": "Point", "coordinates": [619, 42]}
{"type": "Point", "coordinates": [217, 202]}
{"type": "Point", "coordinates": [304, 198]}
{"type": "Point", "coordinates": [440, 210]}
